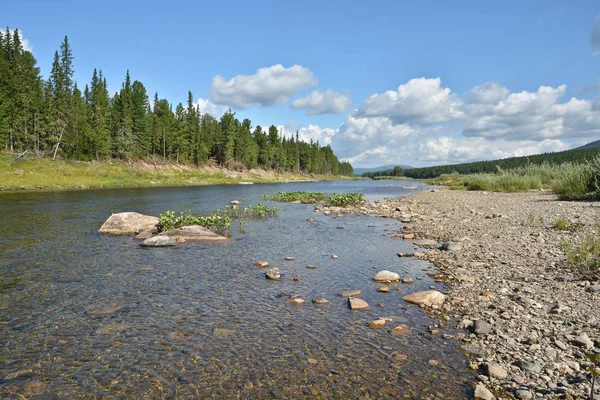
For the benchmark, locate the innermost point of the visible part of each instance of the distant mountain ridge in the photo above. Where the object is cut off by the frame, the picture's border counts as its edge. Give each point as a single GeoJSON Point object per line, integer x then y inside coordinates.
{"type": "Point", "coordinates": [360, 171]}
{"type": "Point", "coordinates": [592, 145]}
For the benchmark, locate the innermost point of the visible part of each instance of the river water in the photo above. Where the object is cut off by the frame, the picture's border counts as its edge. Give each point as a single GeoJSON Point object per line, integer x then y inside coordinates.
{"type": "Point", "coordinates": [84, 315]}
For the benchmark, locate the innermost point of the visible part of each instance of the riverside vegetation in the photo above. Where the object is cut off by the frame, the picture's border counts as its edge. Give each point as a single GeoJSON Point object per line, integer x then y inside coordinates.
{"type": "Point", "coordinates": [328, 199]}
{"type": "Point", "coordinates": [57, 118]}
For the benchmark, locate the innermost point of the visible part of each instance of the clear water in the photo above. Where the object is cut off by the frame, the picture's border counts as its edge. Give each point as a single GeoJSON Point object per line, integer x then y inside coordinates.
{"type": "Point", "coordinates": [84, 315]}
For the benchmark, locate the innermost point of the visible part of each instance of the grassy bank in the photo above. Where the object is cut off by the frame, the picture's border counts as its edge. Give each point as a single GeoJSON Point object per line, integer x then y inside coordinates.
{"type": "Point", "coordinates": [571, 181]}
{"type": "Point", "coordinates": [44, 173]}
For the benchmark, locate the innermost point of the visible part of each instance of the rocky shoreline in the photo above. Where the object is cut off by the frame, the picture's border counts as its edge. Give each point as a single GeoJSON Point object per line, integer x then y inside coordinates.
{"type": "Point", "coordinates": [527, 319]}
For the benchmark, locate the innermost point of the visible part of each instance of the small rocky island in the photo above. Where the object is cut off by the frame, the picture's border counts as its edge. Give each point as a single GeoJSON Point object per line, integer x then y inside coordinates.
{"type": "Point", "coordinates": [145, 229]}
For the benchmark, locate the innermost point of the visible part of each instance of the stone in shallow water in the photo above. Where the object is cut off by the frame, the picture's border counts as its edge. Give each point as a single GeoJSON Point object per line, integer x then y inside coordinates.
{"type": "Point", "coordinates": [482, 393]}
{"type": "Point", "coordinates": [273, 274]}
{"type": "Point", "coordinates": [426, 298]}
{"type": "Point", "coordinates": [289, 258]}
{"type": "Point", "coordinates": [386, 276]}
{"type": "Point", "coordinates": [334, 256]}
{"type": "Point", "coordinates": [407, 280]}
{"type": "Point", "coordinates": [357, 304]}
{"type": "Point", "coordinates": [297, 301]}
{"type": "Point", "coordinates": [159, 241]}
{"type": "Point", "coordinates": [320, 300]}
{"type": "Point", "coordinates": [383, 289]}
{"type": "Point", "coordinates": [261, 264]}
{"type": "Point", "coordinates": [350, 293]}
{"type": "Point", "coordinates": [194, 233]}
{"type": "Point", "coordinates": [401, 330]}
{"type": "Point", "coordinates": [378, 323]}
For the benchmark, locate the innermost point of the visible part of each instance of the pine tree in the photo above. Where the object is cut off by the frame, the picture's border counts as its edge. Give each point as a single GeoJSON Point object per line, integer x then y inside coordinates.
{"type": "Point", "coordinates": [140, 119]}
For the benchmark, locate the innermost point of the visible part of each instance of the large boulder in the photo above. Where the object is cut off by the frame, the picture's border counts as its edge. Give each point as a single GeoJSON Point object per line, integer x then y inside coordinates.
{"type": "Point", "coordinates": [128, 223]}
{"type": "Point", "coordinates": [426, 298]}
{"type": "Point", "coordinates": [386, 277]}
{"type": "Point", "coordinates": [193, 233]}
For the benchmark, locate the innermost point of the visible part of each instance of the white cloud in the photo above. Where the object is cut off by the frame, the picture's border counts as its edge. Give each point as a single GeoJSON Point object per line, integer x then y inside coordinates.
{"type": "Point", "coordinates": [328, 102]}
{"type": "Point", "coordinates": [26, 45]}
{"type": "Point", "coordinates": [208, 107]}
{"type": "Point", "coordinates": [595, 36]}
{"type": "Point", "coordinates": [312, 132]}
{"type": "Point", "coordinates": [419, 101]}
{"type": "Point", "coordinates": [270, 86]}
{"type": "Point", "coordinates": [489, 123]}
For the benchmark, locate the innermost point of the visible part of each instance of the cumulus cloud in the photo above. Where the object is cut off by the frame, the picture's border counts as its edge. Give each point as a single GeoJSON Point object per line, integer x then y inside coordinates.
{"type": "Point", "coordinates": [419, 101]}
{"type": "Point", "coordinates": [270, 86]}
{"type": "Point", "coordinates": [26, 45]}
{"type": "Point", "coordinates": [311, 132]}
{"type": "Point", "coordinates": [208, 107]}
{"type": "Point", "coordinates": [328, 102]}
{"type": "Point", "coordinates": [488, 122]}
{"type": "Point", "coordinates": [595, 36]}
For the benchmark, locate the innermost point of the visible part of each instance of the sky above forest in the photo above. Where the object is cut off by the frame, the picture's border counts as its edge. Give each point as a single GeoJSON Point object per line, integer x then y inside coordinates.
{"type": "Point", "coordinates": [383, 82]}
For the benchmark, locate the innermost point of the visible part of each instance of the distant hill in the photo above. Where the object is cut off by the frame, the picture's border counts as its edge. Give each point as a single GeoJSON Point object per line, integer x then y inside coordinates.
{"type": "Point", "coordinates": [571, 156]}
{"type": "Point", "coordinates": [593, 145]}
{"type": "Point", "coordinates": [360, 171]}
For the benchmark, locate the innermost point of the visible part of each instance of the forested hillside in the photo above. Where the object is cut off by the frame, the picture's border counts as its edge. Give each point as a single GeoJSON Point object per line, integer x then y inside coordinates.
{"type": "Point", "coordinates": [56, 117]}
{"type": "Point", "coordinates": [572, 156]}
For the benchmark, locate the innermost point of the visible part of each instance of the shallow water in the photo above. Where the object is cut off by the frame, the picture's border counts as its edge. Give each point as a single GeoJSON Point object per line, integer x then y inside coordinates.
{"type": "Point", "coordinates": [84, 315]}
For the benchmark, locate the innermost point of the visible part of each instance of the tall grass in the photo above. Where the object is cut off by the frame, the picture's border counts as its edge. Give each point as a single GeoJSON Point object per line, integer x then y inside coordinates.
{"type": "Point", "coordinates": [569, 181]}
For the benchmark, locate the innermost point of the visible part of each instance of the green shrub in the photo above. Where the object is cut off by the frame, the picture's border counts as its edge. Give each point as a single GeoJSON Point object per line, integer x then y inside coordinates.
{"type": "Point", "coordinates": [343, 199]}
{"type": "Point", "coordinates": [288, 197]}
{"type": "Point", "coordinates": [585, 256]}
{"type": "Point", "coordinates": [219, 222]}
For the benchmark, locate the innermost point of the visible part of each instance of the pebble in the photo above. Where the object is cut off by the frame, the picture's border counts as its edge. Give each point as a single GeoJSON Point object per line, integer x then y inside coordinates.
{"type": "Point", "coordinates": [334, 256]}
{"type": "Point", "coordinates": [261, 264]}
{"type": "Point", "coordinates": [383, 289]}
{"type": "Point", "coordinates": [273, 274]}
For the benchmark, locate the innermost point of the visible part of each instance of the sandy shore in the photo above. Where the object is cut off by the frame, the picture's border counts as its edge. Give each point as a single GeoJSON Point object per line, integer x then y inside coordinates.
{"type": "Point", "coordinates": [527, 319]}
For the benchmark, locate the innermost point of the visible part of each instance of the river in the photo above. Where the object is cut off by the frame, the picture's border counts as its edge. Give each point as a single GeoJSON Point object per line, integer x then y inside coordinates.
{"type": "Point", "coordinates": [84, 315]}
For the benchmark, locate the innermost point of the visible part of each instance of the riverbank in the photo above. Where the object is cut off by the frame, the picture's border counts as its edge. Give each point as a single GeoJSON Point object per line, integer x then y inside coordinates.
{"type": "Point", "coordinates": [46, 174]}
{"type": "Point", "coordinates": [527, 320]}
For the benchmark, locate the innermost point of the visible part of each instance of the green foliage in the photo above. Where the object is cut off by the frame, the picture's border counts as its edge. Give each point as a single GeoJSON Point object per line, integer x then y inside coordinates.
{"type": "Point", "coordinates": [258, 211]}
{"type": "Point", "coordinates": [218, 222]}
{"type": "Point", "coordinates": [343, 199]}
{"type": "Point", "coordinates": [303, 197]}
{"type": "Point", "coordinates": [504, 182]}
{"type": "Point", "coordinates": [394, 172]}
{"type": "Point", "coordinates": [328, 199]}
{"type": "Point", "coordinates": [563, 224]}
{"type": "Point", "coordinates": [580, 181]}
{"type": "Point", "coordinates": [585, 256]}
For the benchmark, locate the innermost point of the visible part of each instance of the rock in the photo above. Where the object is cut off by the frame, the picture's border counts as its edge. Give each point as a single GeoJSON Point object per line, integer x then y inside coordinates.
{"type": "Point", "coordinates": [273, 274]}
{"type": "Point", "coordinates": [159, 241]}
{"type": "Point", "coordinates": [311, 267]}
{"type": "Point", "coordinates": [530, 366]}
{"type": "Point", "coordinates": [405, 254]}
{"type": "Point", "coordinates": [350, 293]}
{"type": "Point", "coordinates": [523, 394]}
{"type": "Point", "coordinates": [474, 349]}
{"type": "Point", "coordinates": [560, 344]}
{"type": "Point", "coordinates": [335, 257]}
{"type": "Point", "coordinates": [289, 258]}
{"type": "Point", "coordinates": [481, 328]}
{"type": "Point", "coordinates": [383, 289]}
{"type": "Point", "coordinates": [401, 330]}
{"type": "Point", "coordinates": [193, 233]}
{"type": "Point", "coordinates": [451, 246]}
{"type": "Point", "coordinates": [378, 323]}
{"type": "Point", "coordinates": [310, 220]}
{"type": "Point", "coordinates": [408, 236]}
{"type": "Point", "coordinates": [261, 264]}
{"type": "Point", "coordinates": [583, 341]}
{"type": "Point", "coordinates": [407, 280]}
{"type": "Point", "coordinates": [235, 202]}
{"type": "Point", "coordinates": [494, 370]}
{"type": "Point", "coordinates": [357, 304]}
{"type": "Point", "coordinates": [426, 298]}
{"type": "Point", "coordinates": [147, 234]}
{"type": "Point", "coordinates": [386, 276]}
{"type": "Point", "coordinates": [593, 289]}
{"type": "Point", "coordinates": [297, 301]}
{"type": "Point", "coordinates": [559, 308]}
{"type": "Point", "coordinates": [424, 242]}
{"type": "Point", "coordinates": [320, 300]}
{"type": "Point", "coordinates": [128, 223]}
{"type": "Point", "coordinates": [482, 393]}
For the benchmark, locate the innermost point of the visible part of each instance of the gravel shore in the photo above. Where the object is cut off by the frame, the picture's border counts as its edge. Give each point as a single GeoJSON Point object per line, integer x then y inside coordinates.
{"type": "Point", "coordinates": [528, 320]}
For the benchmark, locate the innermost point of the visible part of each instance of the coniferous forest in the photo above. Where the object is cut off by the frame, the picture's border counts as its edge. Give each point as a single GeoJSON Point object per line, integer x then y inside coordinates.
{"type": "Point", "coordinates": [56, 117]}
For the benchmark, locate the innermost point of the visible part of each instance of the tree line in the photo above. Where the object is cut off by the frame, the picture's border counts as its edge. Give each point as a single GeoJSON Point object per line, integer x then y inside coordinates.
{"type": "Point", "coordinates": [396, 171]}
{"type": "Point", "coordinates": [55, 117]}
{"type": "Point", "coordinates": [575, 156]}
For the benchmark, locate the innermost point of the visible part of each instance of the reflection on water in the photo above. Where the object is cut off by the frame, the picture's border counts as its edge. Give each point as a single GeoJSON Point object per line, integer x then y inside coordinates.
{"type": "Point", "coordinates": [89, 315]}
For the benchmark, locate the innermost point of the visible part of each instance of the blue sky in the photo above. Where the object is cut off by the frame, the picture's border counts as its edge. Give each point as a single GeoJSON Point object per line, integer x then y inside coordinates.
{"type": "Point", "coordinates": [383, 82]}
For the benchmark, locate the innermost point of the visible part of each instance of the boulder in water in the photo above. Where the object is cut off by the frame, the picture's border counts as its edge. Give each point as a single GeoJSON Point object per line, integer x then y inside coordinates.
{"type": "Point", "coordinates": [193, 233]}
{"type": "Point", "coordinates": [426, 298]}
{"type": "Point", "coordinates": [386, 276]}
{"type": "Point", "coordinates": [159, 241]}
{"type": "Point", "coordinates": [128, 223]}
